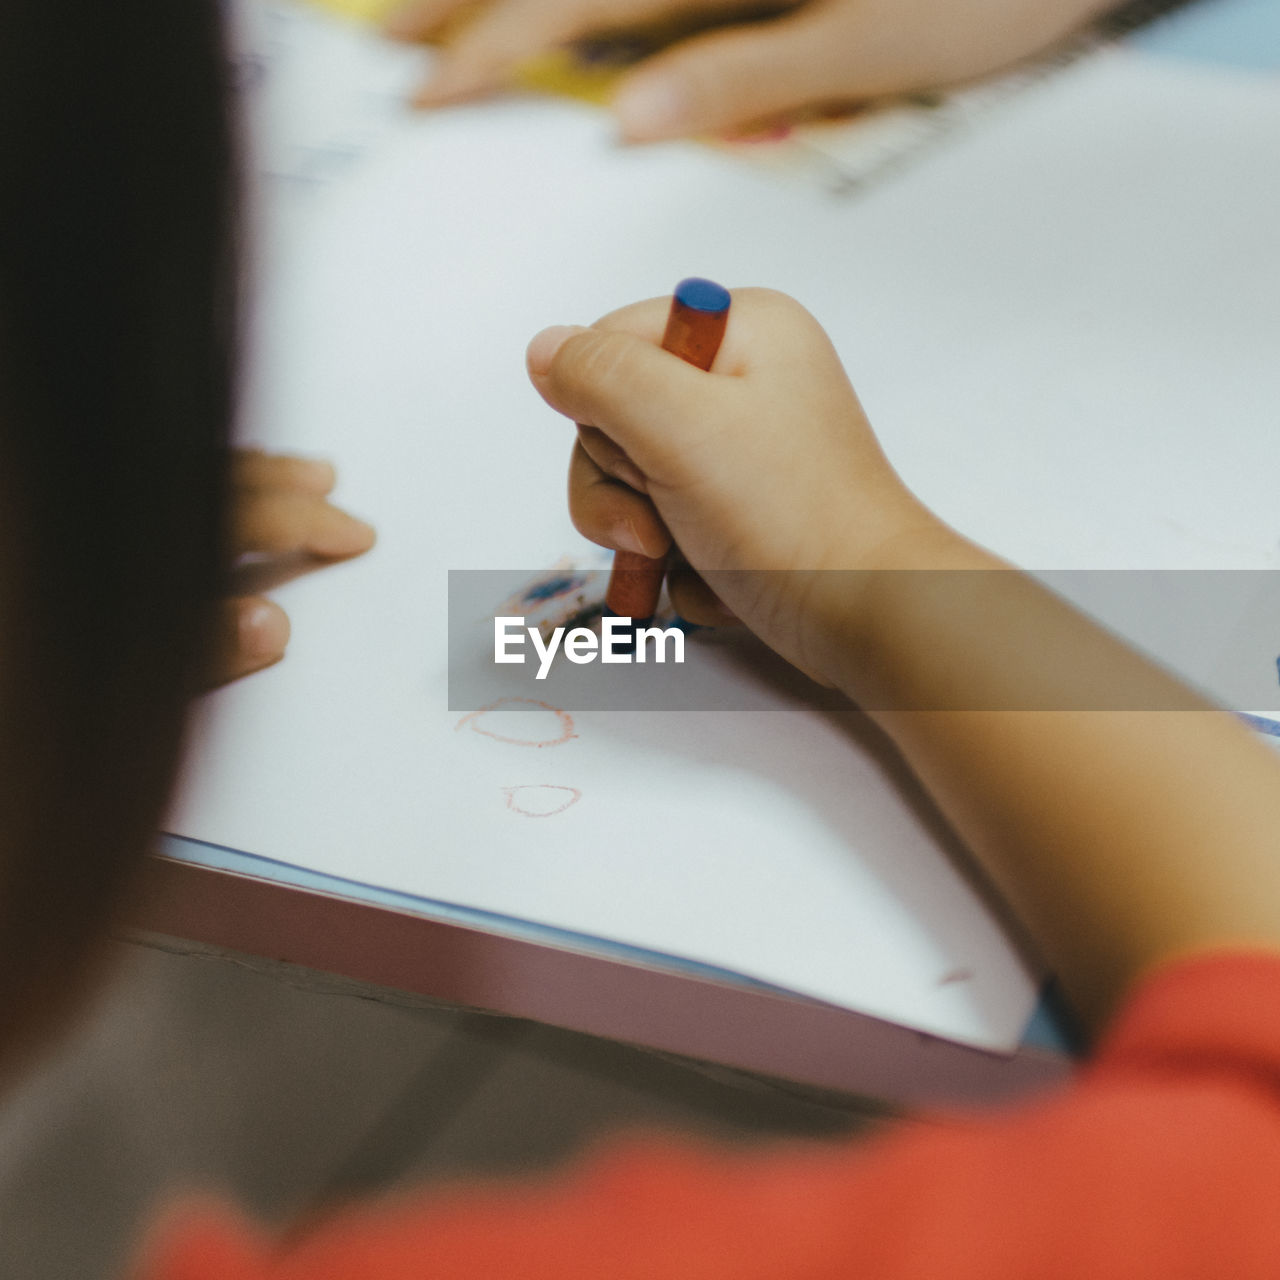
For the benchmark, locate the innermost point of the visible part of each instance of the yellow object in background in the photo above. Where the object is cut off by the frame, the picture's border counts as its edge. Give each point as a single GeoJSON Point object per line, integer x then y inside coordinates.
{"type": "Point", "coordinates": [588, 71]}
{"type": "Point", "coordinates": [370, 11]}
{"type": "Point", "coordinates": [561, 72]}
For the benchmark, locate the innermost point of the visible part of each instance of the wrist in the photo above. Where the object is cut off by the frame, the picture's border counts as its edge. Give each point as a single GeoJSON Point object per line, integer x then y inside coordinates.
{"type": "Point", "coordinates": [854, 602]}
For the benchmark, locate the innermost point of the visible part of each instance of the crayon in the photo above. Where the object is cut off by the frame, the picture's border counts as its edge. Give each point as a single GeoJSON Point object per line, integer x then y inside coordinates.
{"type": "Point", "coordinates": [695, 326]}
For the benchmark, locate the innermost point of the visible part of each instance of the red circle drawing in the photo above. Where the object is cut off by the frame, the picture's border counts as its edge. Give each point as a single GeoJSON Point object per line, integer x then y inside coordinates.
{"type": "Point", "coordinates": [474, 720]}
{"type": "Point", "coordinates": [510, 793]}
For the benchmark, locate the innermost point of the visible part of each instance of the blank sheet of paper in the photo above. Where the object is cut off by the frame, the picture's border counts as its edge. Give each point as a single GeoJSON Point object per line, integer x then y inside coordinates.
{"type": "Point", "coordinates": [1041, 322]}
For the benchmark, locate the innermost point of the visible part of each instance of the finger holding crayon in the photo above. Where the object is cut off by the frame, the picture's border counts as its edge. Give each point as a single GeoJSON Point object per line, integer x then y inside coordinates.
{"type": "Point", "coordinates": [694, 330]}
{"type": "Point", "coordinates": [760, 470]}
{"type": "Point", "coordinates": [608, 485]}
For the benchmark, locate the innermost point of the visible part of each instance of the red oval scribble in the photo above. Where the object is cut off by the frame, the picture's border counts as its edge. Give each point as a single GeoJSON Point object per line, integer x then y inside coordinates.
{"type": "Point", "coordinates": [564, 721]}
{"type": "Point", "coordinates": [519, 805]}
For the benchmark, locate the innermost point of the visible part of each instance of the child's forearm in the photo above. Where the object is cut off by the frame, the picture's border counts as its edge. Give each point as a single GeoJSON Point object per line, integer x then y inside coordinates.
{"type": "Point", "coordinates": [1124, 818]}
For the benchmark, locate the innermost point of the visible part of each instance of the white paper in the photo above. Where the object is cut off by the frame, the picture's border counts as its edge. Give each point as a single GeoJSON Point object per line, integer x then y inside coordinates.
{"type": "Point", "coordinates": [1064, 329]}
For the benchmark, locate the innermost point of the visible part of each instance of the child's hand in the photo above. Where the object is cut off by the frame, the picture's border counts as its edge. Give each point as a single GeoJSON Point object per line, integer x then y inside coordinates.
{"type": "Point", "coordinates": [279, 510]}
{"type": "Point", "coordinates": [765, 465]}
{"type": "Point", "coordinates": [815, 52]}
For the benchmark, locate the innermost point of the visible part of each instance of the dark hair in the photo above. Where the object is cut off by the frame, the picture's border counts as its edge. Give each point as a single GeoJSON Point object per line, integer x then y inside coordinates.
{"type": "Point", "coordinates": [117, 283]}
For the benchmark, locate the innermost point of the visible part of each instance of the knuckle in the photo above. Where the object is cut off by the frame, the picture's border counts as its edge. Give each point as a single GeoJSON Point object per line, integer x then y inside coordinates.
{"type": "Point", "coordinates": [770, 301]}
{"type": "Point", "coordinates": [596, 360]}
{"type": "Point", "coordinates": [636, 315]}
{"type": "Point", "coordinates": [778, 314]}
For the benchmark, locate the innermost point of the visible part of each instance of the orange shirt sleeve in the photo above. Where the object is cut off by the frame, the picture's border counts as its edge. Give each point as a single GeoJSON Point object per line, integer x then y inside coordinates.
{"type": "Point", "coordinates": [1161, 1160]}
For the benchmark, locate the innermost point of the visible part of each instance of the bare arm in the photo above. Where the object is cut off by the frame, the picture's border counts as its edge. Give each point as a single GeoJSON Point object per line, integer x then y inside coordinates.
{"type": "Point", "coordinates": [1125, 820]}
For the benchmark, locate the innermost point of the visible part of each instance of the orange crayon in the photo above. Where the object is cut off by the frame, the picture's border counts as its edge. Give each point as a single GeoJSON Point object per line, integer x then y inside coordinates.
{"type": "Point", "coordinates": [695, 327]}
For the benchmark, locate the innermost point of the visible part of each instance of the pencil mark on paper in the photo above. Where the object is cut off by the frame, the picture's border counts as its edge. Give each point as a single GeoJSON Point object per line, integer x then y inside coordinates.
{"type": "Point", "coordinates": [952, 976]}
{"type": "Point", "coordinates": [540, 800]}
{"type": "Point", "coordinates": [506, 720]}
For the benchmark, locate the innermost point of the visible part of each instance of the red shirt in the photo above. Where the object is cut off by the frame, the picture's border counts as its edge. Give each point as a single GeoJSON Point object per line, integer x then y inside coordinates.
{"type": "Point", "coordinates": [1161, 1160]}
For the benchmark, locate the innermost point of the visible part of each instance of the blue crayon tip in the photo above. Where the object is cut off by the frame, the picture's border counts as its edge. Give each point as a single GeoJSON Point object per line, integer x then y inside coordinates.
{"type": "Point", "coordinates": [702, 295]}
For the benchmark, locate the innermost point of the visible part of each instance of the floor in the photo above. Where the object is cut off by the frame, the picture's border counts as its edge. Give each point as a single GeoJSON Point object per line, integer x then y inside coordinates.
{"type": "Point", "coordinates": [290, 1091]}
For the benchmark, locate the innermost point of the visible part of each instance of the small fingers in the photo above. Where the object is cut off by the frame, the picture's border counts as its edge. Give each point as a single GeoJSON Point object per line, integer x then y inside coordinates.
{"type": "Point", "coordinates": [256, 469]}
{"type": "Point", "coordinates": [611, 459]}
{"type": "Point", "coordinates": [738, 77]}
{"type": "Point", "coordinates": [251, 633]}
{"type": "Point", "coordinates": [282, 522]}
{"type": "Point", "coordinates": [610, 513]}
{"type": "Point", "coordinates": [423, 19]}
{"type": "Point", "coordinates": [280, 508]}
{"type": "Point", "coordinates": [694, 601]}
{"type": "Point", "coordinates": [503, 35]}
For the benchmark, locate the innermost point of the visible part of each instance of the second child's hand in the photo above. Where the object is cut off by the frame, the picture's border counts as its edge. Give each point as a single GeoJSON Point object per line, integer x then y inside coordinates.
{"type": "Point", "coordinates": [811, 53]}
{"type": "Point", "coordinates": [280, 509]}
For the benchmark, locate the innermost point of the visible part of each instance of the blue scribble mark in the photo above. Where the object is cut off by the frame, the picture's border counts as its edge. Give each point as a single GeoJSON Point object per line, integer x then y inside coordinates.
{"type": "Point", "coordinates": [1260, 724]}
{"type": "Point", "coordinates": [552, 587]}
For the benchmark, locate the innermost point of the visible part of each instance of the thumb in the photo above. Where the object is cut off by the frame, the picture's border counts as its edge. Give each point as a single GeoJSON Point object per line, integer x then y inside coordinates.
{"type": "Point", "coordinates": [727, 78]}
{"type": "Point", "coordinates": [644, 399]}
